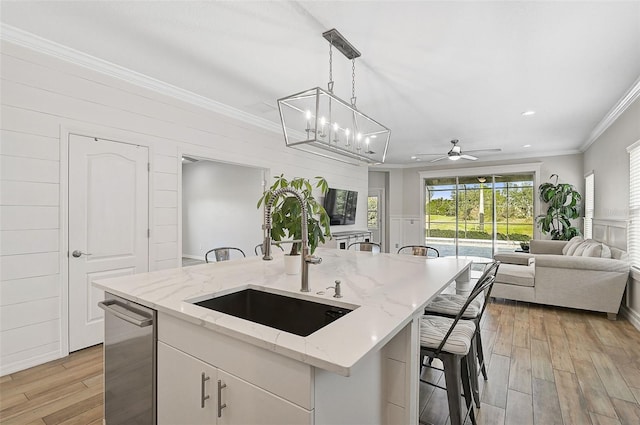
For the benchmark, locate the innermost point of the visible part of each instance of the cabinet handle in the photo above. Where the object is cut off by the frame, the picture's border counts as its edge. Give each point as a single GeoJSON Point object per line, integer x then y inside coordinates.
{"type": "Point", "coordinates": [220, 405]}
{"type": "Point", "coordinates": [203, 397]}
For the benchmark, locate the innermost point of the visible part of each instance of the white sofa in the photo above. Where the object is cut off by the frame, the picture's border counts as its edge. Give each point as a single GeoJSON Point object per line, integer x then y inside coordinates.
{"type": "Point", "coordinates": [574, 278]}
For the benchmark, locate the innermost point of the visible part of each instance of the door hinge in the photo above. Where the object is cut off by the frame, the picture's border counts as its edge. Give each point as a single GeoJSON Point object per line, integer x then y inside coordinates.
{"type": "Point", "coordinates": [148, 166]}
{"type": "Point", "coordinates": [148, 233]}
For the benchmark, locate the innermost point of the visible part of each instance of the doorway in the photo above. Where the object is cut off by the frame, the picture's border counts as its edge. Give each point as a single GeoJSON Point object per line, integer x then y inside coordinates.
{"type": "Point", "coordinates": [108, 204]}
{"type": "Point", "coordinates": [478, 215]}
{"type": "Point", "coordinates": [376, 216]}
{"type": "Point", "coordinates": [219, 207]}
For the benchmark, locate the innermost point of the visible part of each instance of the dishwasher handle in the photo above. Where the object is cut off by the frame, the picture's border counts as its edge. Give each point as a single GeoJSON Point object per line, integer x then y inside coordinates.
{"type": "Point", "coordinates": [126, 313]}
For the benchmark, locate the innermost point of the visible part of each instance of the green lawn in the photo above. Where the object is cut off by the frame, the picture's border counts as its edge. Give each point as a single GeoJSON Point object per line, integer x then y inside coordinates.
{"type": "Point", "coordinates": [444, 222]}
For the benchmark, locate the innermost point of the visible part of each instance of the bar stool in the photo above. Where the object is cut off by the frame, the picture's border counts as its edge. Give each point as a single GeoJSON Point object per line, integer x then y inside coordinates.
{"type": "Point", "coordinates": [420, 250]}
{"type": "Point", "coordinates": [450, 305]}
{"type": "Point", "coordinates": [366, 246]}
{"type": "Point", "coordinates": [258, 249]}
{"type": "Point", "coordinates": [222, 253]}
{"type": "Point", "coordinates": [451, 340]}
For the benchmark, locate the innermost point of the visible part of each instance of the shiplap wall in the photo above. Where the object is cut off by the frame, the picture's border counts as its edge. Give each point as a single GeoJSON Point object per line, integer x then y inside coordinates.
{"type": "Point", "coordinates": [43, 98]}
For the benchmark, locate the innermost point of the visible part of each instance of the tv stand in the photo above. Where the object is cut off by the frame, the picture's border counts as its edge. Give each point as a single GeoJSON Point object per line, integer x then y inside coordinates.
{"type": "Point", "coordinates": [342, 240]}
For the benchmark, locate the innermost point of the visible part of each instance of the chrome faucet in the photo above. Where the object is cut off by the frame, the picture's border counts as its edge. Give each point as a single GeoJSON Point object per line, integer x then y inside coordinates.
{"type": "Point", "coordinates": [306, 258]}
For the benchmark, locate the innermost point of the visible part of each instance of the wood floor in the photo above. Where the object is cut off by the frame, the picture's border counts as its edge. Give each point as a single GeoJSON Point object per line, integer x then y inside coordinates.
{"type": "Point", "coordinates": [546, 366]}
{"type": "Point", "coordinates": [64, 391]}
{"type": "Point", "coordinates": [551, 366]}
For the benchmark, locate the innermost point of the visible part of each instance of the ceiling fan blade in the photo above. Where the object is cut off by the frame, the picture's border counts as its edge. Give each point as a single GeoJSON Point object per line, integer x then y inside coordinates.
{"type": "Point", "coordinates": [438, 159]}
{"type": "Point", "coordinates": [427, 154]}
{"type": "Point", "coordinates": [469, 157]}
{"type": "Point", "coordinates": [484, 150]}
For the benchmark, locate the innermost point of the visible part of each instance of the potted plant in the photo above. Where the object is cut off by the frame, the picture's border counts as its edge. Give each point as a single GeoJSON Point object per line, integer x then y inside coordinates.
{"type": "Point", "coordinates": [563, 205]}
{"type": "Point", "coordinates": [285, 213]}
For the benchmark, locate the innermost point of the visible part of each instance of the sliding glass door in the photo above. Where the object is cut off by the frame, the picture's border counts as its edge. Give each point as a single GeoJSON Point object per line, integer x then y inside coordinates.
{"type": "Point", "coordinates": [478, 215]}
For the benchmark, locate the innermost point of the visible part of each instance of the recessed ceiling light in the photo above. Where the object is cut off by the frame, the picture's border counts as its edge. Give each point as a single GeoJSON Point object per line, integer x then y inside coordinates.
{"type": "Point", "coordinates": [526, 146]}
{"type": "Point", "coordinates": [528, 113]}
{"type": "Point", "coordinates": [414, 157]}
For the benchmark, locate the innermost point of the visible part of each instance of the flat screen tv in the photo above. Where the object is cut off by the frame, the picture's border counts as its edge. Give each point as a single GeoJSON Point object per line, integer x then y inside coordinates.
{"type": "Point", "coordinates": [341, 206]}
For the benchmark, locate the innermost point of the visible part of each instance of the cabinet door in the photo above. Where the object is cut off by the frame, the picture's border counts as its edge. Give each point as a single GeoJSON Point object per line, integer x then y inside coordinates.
{"type": "Point", "coordinates": [247, 404]}
{"type": "Point", "coordinates": [181, 388]}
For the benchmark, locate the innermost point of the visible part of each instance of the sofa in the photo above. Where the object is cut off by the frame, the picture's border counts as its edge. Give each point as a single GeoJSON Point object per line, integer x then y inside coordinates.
{"type": "Point", "coordinates": [583, 274]}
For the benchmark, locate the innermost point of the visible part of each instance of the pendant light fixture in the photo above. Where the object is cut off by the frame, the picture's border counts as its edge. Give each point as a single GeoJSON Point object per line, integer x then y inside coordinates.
{"type": "Point", "coordinates": [318, 121]}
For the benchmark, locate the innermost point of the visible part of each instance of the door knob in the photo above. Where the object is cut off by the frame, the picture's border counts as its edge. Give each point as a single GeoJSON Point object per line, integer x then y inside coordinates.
{"type": "Point", "coordinates": [77, 253]}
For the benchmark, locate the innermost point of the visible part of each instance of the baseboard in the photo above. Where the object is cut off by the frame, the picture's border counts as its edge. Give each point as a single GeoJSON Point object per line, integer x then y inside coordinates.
{"type": "Point", "coordinates": [6, 369]}
{"type": "Point", "coordinates": [632, 316]}
{"type": "Point", "coordinates": [193, 257]}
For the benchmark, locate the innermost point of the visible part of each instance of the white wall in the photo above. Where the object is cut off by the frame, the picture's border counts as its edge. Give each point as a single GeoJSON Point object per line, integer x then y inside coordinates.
{"type": "Point", "coordinates": [609, 160]}
{"type": "Point", "coordinates": [219, 207]}
{"type": "Point", "coordinates": [568, 167]}
{"type": "Point", "coordinates": [43, 97]}
{"type": "Point", "coordinates": [406, 189]}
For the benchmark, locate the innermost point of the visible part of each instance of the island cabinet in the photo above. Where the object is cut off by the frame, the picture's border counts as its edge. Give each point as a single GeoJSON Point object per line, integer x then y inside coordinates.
{"type": "Point", "coordinates": [205, 377]}
{"type": "Point", "coordinates": [191, 391]}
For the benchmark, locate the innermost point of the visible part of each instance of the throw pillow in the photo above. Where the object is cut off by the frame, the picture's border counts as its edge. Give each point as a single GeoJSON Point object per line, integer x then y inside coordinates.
{"type": "Point", "coordinates": [593, 250]}
{"type": "Point", "coordinates": [571, 246]}
{"type": "Point", "coordinates": [582, 246]}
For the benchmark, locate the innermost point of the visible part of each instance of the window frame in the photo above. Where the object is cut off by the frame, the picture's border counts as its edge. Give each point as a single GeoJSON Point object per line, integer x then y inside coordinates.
{"type": "Point", "coordinates": [633, 235]}
{"type": "Point", "coordinates": [589, 204]}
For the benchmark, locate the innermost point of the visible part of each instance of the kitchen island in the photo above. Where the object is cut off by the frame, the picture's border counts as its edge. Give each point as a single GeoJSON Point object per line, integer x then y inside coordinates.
{"type": "Point", "coordinates": [361, 368]}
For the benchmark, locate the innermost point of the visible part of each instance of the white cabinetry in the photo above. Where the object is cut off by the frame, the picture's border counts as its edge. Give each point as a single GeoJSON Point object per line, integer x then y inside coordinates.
{"type": "Point", "coordinates": [192, 392]}
{"type": "Point", "coordinates": [259, 386]}
{"type": "Point", "coordinates": [184, 383]}
{"type": "Point", "coordinates": [248, 404]}
{"type": "Point", "coordinates": [256, 386]}
{"type": "Point", "coordinates": [342, 240]}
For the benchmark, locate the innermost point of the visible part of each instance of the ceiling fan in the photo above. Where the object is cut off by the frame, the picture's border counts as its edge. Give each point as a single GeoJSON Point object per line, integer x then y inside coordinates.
{"type": "Point", "coordinates": [455, 153]}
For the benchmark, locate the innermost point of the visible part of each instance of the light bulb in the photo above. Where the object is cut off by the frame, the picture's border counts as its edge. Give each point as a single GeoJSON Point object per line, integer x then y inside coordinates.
{"type": "Point", "coordinates": [347, 131]}
{"type": "Point", "coordinates": [366, 141]}
{"type": "Point", "coordinates": [359, 136]}
{"type": "Point", "coordinates": [335, 126]}
{"type": "Point", "coordinates": [323, 121]}
{"type": "Point", "coordinates": [308, 114]}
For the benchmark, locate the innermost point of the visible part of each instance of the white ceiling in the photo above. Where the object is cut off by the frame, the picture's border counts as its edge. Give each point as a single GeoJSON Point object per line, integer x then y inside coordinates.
{"type": "Point", "coordinates": [431, 71]}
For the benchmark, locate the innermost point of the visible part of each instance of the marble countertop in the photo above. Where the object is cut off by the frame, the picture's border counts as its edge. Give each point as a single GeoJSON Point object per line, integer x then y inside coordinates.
{"type": "Point", "coordinates": [389, 290]}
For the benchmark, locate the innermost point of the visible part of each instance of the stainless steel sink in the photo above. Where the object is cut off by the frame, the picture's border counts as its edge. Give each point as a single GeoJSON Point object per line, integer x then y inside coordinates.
{"type": "Point", "coordinates": [289, 314]}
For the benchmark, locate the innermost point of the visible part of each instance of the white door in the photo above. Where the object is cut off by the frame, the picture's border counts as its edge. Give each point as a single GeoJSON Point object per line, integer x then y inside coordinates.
{"type": "Point", "coordinates": [108, 222]}
{"type": "Point", "coordinates": [375, 216]}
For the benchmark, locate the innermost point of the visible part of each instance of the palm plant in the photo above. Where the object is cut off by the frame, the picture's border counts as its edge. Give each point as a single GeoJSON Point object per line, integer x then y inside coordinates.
{"type": "Point", "coordinates": [563, 205]}
{"type": "Point", "coordinates": [286, 211]}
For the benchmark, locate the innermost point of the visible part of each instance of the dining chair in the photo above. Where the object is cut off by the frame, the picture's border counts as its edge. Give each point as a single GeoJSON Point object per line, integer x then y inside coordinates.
{"type": "Point", "coordinates": [420, 250]}
{"type": "Point", "coordinates": [451, 340]}
{"type": "Point", "coordinates": [259, 251]}
{"type": "Point", "coordinates": [450, 305]}
{"type": "Point", "coordinates": [365, 246]}
{"type": "Point", "coordinates": [222, 253]}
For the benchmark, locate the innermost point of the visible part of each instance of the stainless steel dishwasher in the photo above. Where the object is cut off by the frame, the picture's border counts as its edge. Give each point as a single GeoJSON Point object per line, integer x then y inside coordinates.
{"type": "Point", "coordinates": [129, 362]}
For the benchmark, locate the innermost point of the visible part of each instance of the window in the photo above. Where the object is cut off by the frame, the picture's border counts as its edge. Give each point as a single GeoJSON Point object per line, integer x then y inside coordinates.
{"type": "Point", "coordinates": [588, 205]}
{"type": "Point", "coordinates": [372, 212]}
{"type": "Point", "coordinates": [634, 204]}
{"type": "Point", "coordinates": [479, 215]}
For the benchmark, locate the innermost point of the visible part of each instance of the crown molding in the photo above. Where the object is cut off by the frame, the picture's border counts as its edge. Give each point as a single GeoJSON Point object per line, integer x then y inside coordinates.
{"type": "Point", "coordinates": [42, 45]}
{"type": "Point", "coordinates": [629, 97]}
